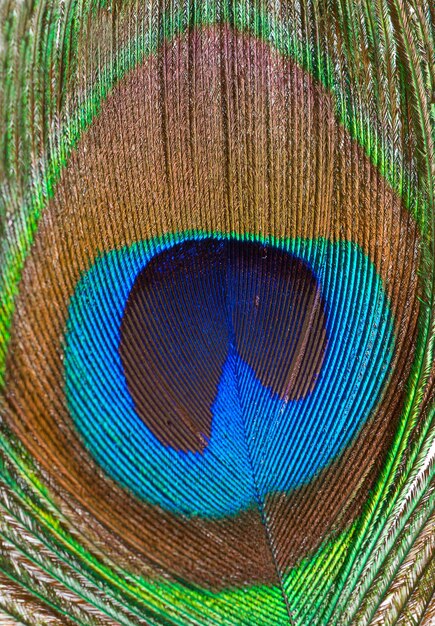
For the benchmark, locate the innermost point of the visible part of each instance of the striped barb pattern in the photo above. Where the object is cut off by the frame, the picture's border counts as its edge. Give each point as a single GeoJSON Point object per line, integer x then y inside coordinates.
{"type": "Point", "coordinates": [217, 313]}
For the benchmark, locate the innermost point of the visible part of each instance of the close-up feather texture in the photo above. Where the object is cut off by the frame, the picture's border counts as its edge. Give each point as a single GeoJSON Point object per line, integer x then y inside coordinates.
{"type": "Point", "coordinates": [217, 312]}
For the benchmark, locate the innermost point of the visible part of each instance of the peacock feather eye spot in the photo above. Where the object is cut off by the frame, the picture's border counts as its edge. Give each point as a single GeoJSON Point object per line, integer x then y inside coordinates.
{"type": "Point", "coordinates": [188, 328]}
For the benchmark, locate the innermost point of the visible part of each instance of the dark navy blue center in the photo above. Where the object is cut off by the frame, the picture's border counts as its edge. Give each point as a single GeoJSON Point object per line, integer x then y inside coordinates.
{"type": "Point", "coordinates": [198, 301]}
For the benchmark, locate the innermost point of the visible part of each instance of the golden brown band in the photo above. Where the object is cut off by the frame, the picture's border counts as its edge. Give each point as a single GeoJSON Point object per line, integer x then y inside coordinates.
{"type": "Point", "coordinates": [233, 138]}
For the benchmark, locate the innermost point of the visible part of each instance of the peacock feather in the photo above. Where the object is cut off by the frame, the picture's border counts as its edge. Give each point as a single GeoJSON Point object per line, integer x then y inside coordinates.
{"type": "Point", "coordinates": [217, 312]}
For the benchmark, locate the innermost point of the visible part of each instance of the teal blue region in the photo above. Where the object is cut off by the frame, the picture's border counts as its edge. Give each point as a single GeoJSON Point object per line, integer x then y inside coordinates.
{"type": "Point", "coordinates": [260, 443]}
